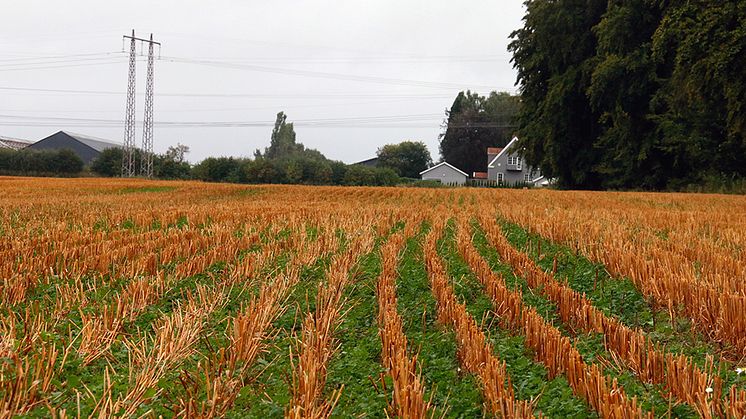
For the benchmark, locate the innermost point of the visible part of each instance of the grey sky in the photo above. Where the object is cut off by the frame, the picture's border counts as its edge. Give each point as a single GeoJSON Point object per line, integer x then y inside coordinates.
{"type": "Point", "coordinates": [397, 65]}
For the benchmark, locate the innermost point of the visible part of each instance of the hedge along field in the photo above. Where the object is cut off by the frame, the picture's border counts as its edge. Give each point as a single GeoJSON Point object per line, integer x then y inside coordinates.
{"type": "Point", "coordinates": [144, 299]}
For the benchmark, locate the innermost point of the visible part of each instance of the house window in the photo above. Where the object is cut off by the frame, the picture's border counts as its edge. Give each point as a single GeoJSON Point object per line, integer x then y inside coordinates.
{"type": "Point", "coordinates": [527, 177]}
{"type": "Point", "coordinates": [514, 161]}
{"type": "Point", "coordinates": [499, 178]}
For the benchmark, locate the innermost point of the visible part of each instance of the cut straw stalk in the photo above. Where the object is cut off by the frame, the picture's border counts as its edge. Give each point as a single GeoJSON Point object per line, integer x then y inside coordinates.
{"type": "Point", "coordinates": [317, 343]}
{"type": "Point", "coordinates": [555, 351]}
{"type": "Point", "coordinates": [174, 340]}
{"type": "Point", "coordinates": [409, 389]}
{"type": "Point", "coordinates": [25, 381]}
{"type": "Point", "coordinates": [475, 353]}
{"type": "Point", "coordinates": [667, 278]}
{"type": "Point", "coordinates": [679, 373]}
{"type": "Point", "coordinates": [224, 374]}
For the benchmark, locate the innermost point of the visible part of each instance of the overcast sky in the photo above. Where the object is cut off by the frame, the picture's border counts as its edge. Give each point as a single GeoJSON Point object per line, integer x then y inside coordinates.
{"type": "Point", "coordinates": [353, 75]}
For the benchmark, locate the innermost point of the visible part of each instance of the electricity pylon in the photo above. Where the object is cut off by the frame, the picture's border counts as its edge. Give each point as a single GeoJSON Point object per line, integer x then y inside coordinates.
{"type": "Point", "coordinates": [128, 157]}
{"type": "Point", "coordinates": [128, 160]}
{"type": "Point", "coordinates": [146, 168]}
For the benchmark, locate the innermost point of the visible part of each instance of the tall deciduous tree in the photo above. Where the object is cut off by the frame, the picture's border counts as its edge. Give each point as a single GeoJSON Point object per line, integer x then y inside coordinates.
{"type": "Point", "coordinates": [474, 123]}
{"type": "Point", "coordinates": [701, 107]}
{"type": "Point", "coordinates": [283, 144]}
{"type": "Point", "coordinates": [407, 158]}
{"type": "Point", "coordinates": [177, 153]}
{"type": "Point", "coordinates": [633, 93]}
{"type": "Point", "coordinates": [554, 54]}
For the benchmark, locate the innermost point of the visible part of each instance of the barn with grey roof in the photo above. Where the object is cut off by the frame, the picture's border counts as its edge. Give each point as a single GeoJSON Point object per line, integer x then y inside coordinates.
{"type": "Point", "coordinates": [85, 146]}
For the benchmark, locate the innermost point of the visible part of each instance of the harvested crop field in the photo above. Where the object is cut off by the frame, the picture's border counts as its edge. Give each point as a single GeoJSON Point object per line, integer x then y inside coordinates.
{"type": "Point", "coordinates": [137, 298]}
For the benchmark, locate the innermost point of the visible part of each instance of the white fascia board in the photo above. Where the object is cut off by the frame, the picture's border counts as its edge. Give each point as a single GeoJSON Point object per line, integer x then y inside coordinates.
{"type": "Point", "coordinates": [505, 149]}
{"type": "Point", "coordinates": [441, 164]}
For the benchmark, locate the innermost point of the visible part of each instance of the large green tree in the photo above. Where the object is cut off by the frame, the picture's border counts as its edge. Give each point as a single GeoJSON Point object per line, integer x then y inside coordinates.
{"type": "Point", "coordinates": [623, 81]}
{"type": "Point", "coordinates": [407, 158]}
{"type": "Point", "coordinates": [633, 93]}
{"type": "Point", "coordinates": [283, 144]}
{"type": "Point", "coordinates": [474, 123]}
{"type": "Point", "coordinates": [700, 110]}
{"type": "Point", "coordinates": [554, 54]}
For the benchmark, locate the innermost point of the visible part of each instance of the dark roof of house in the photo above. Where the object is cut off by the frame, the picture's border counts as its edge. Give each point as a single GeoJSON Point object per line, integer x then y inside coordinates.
{"type": "Point", "coordinates": [494, 150]}
{"type": "Point", "coordinates": [13, 143]}
{"type": "Point", "coordinates": [95, 143]}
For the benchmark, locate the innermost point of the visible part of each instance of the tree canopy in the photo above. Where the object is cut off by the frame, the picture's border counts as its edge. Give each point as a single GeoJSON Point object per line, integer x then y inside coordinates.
{"type": "Point", "coordinates": [407, 158]}
{"type": "Point", "coordinates": [283, 143]}
{"type": "Point", "coordinates": [632, 94]}
{"type": "Point", "coordinates": [474, 123]}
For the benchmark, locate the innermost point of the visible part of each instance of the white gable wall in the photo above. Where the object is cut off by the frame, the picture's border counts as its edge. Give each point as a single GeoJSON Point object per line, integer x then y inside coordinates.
{"type": "Point", "coordinates": [445, 174]}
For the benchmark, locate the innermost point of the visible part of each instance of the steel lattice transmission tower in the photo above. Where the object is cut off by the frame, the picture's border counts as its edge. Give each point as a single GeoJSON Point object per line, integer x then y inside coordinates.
{"type": "Point", "coordinates": [128, 158]}
{"type": "Point", "coordinates": [146, 168]}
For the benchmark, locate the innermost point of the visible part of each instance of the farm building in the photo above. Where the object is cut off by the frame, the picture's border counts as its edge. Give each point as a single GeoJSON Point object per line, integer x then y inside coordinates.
{"type": "Point", "coordinates": [86, 147]}
{"type": "Point", "coordinates": [445, 173]}
{"type": "Point", "coordinates": [372, 162]}
{"type": "Point", "coordinates": [13, 143]}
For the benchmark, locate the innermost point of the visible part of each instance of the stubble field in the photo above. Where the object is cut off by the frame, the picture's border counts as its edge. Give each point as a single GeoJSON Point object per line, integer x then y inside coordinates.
{"type": "Point", "coordinates": [134, 298]}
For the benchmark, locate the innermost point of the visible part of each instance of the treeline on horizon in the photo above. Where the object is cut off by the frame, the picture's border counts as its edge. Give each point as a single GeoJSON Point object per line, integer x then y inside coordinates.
{"type": "Point", "coordinates": [285, 161]}
{"type": "Point", "coordinates": [633, 94]}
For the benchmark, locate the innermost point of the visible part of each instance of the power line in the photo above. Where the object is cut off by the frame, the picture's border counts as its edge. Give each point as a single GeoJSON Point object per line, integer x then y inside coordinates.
{"type": "Point", "coordinates": [49, 57]}
{"type": "Point", "coordinates": [102, 61]}
{"type": "Point", "coordinates": [333, 76]}
{"type": "Point", "coordinates": [78, 62]}
{"type": "Point", "coordinates": [355, 60]}
{"type": "Point", "coordinates": [393, 121]}
{"type": "Point", "coordinates": [345, 104]}
{"type": "Point", "coordinates": [267, 125]}
{"type": "Point", "coordinates": [239, 95]}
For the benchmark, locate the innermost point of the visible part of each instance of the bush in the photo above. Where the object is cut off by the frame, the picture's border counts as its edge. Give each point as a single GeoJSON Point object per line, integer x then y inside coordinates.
{"type": "Point", "coordinates": [167, 168]}
{"type": "Point", "coordinates": [40, 162]}
{"type": "Point", "coordinates": [220, 169]}
{"type": "Point", "coordinates": [108, 163]}
{"type": "Point", "coordinates": [357, 175]}
{"type": "Point", "coordinates": [339, 170]}
{"type": "Point", "coordinates": [263, 170]}
{"type": "Point", "coordinates": [386, 177]}
{"type": "Point", "coordinates": [295, 170]}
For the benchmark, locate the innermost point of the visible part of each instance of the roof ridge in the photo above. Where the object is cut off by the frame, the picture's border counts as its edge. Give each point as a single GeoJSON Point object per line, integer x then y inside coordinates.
{"type": "Point", "coordinates": [88, 137]}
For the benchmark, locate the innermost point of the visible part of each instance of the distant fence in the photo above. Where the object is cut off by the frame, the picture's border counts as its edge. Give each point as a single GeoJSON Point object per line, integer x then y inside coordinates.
{"type": "Point", "coordinates": [486, 183]}
{"type": "Point", "coordinates": [470, 183]}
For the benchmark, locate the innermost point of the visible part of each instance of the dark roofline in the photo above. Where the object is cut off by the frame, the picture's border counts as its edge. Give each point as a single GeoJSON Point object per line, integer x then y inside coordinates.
{"type": "Point", "coordinates": [83, 138]}
{"type": "Point", "coordinates": [365, 161]}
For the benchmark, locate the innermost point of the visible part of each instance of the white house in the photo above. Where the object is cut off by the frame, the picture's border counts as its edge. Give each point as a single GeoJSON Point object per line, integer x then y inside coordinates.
{"type": "Point", "coordinates": [505, 166]}
{"type": "Point", "coordinates": [445, 173]}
